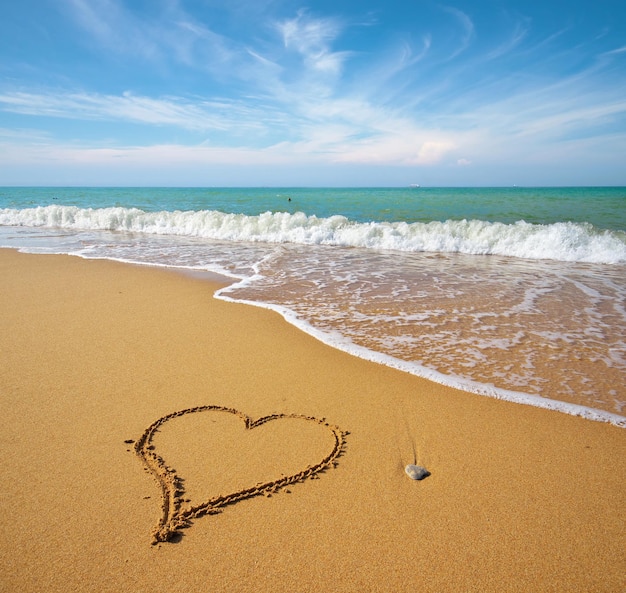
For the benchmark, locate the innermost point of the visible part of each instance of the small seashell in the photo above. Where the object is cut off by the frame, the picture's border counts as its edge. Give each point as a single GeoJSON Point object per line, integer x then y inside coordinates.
{"type": "Point", "coordinates": [416, 472]}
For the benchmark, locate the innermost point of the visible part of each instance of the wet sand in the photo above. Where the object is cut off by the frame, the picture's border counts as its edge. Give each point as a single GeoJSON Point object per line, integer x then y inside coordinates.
{"type": "Point", "coordinates": [290, 454]}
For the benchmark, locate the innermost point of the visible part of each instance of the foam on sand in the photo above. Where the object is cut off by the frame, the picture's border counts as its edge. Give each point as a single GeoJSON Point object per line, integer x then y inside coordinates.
{"type": "Point", "coordinates": [519, 498]}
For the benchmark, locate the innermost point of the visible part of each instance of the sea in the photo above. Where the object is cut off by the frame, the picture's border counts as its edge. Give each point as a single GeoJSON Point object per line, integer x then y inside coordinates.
{"type": "Point", "coordinates": [515, 293]}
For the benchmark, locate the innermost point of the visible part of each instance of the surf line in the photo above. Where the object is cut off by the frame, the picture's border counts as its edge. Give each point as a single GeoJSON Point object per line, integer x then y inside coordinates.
{"type": "Point", "coordinates": [174, 517]}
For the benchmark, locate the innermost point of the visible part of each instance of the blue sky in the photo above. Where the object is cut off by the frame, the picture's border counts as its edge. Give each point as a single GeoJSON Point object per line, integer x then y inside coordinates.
{"type": "Point", "coordinates": [281, 92]}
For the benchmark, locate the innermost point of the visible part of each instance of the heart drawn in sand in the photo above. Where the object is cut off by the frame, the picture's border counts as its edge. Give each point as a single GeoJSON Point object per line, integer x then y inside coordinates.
{"type": "Point", "coordinates": [176, 515]}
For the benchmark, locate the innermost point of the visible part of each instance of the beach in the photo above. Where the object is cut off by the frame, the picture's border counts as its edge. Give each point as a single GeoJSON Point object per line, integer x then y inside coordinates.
{"type": "Point", "coordinates": [518, 498]}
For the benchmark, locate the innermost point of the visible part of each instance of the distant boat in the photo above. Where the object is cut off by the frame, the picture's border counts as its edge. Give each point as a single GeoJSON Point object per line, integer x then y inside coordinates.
{"type": "Point", "coordinates": [414, 185]}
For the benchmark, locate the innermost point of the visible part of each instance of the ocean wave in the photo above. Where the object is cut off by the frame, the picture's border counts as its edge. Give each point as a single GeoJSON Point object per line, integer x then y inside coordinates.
{"type": "Point", "coordinates": [564, 241]}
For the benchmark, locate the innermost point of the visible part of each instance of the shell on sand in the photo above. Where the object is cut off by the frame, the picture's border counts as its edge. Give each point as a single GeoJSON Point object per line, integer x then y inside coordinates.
{"type": "Point", "coordinates": [416, 472]}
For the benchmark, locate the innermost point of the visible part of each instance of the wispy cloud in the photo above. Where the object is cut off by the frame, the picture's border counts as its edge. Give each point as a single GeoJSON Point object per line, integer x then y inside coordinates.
{"type": "Point", "coordinates": [454, 92]}
{"type": "Point", "coordinates": [168, 33]}
{"type": "Point", "coordinates": [24, 135]}
{"type": "Point", "coordinates": [309, 36]}
{"type": "Point", "coordinates": [173, 111]}
{"type": "Point", "coordinates": [346, 129]}
{"type": "Point", "coordinates": [516, 36]}
{"type": "Point", "coordinates": [109, 23]}
{"type": "Point", "coordinates": [467, 28]}
{"type": "Point", "coordinates": [311, 39]}
{"type": "Point", "coordinates": [613, 52]}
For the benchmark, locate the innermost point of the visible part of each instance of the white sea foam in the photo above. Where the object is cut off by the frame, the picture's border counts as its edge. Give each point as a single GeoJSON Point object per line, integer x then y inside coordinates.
{"type": "Point", "coordinates": [532, 331]}
{"type": "Point", "coordinates": [490, 325]}
{"type": "Point", "coordinates": [564, 241]}
{"type": "Point", "coordinates": [339, 341]}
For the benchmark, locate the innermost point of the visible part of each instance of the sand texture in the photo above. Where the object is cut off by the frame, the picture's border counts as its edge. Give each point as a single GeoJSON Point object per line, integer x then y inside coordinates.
{"type": "Point", "coordinates": [155, 439]}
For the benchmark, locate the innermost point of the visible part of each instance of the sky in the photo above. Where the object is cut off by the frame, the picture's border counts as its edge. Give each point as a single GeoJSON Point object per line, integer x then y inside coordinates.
{"type": "Point", "coordinates": [318, 93]}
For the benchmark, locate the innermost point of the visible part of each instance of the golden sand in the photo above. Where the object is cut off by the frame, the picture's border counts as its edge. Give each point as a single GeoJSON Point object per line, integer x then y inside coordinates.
{"type": "Point", "coordinates": [134, 401]}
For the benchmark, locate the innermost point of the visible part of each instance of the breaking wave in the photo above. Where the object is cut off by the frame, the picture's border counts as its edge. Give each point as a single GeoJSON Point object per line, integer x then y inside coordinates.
{"type": "Point", "coordinates": [564, 241]}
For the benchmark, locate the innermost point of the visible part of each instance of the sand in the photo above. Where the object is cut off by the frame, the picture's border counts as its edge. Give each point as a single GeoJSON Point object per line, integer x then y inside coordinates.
{"type": "Point", "coordinates": [307, 445]}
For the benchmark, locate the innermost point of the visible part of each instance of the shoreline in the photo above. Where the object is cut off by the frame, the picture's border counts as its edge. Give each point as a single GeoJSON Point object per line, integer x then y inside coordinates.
{"type": "Point", "coordinates": [455, 382]}
{"type": "Point", "coordinates": [94, 352]}
{"type": "Point", "coordinates": [458, 383]}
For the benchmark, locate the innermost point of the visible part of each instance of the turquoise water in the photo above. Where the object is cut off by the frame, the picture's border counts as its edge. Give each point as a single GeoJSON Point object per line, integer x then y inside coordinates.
{"type": "Point", "coordinates": [515, 293]}
{"type": "Point", "coordinates": [603, 207]}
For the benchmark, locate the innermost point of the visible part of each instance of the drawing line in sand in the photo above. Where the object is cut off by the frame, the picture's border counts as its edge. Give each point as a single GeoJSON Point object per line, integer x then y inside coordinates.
{"type": "Point", "coordinates": [174, 517]}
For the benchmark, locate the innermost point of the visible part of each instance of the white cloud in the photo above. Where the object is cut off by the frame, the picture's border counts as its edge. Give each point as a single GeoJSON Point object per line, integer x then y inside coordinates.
{"type": "Point", "coordinates": [173, 111]}
{"type": "Point", "coordinates": [165, 155]}
{"type": "Point", "coordinates": [619, 50]}
{"type": "Point", "coordinates": [312, 39]}
{"type": "Point", "coordinates": [411, 148]}
{"type": "Point", "coordinates": [286, 94]}
{"type": "Point", "coordinates": [519, 33]}
{"type": "Point", "coordinates": [309, 36]}
{"type": "Point", "coordinates": [111, 24]}
{"type": "Point", "coordinates": [22, 135]}
{"type": "Point", "coordinates": [165, 34]}
{"type": "Point", "coordinates": [384, 151]}
{"type": "Point", "coordinates": [466, 25]}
